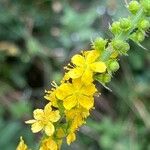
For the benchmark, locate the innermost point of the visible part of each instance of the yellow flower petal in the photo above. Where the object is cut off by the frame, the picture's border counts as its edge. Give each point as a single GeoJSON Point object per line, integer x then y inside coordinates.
{"type": "Point", "coordinates": [70, 138]}
{"type": "Point", "coordinates": [52, 98]}
{"type": "Point", "coordinates": [51, 145]}
{"type": "Point", "coordinates": [48, 144]}
{"type": "Point", "coordinates": [54, 116]}
{"type": "Point", "coordinates": [98, 67]}
{"type": "Point", "coordinates": [70, 102]}
{"type": "Point", "coordinates": [92, 56]}
{"type": "Point", "coordinates": [78, 60]}
{"type": "Point", "coordinates": [49, 129]}
{"type": "Point", "coordinates": [37, 126]}
{"type": "Point", "coordinates": [86, 102]}
{"type": "Point", "coordinates": [22, 145]}
{"type": "Point", "coordinates": [87, 77]}
{"type": "Point", "coordinates": [47, 109]}
{"type": "Point", "coordinates": [89, 90]}
{"type": "Point", "coordinates": [38, 114]}
{"type": "Point", "coordinates": [64, 90]}
{"type": "Point", "coordinates": [76, 83]}
{"type": "Point", "coordinates": [75, 73]}
{"type": "Point", "coordinates": [30, 121]}
{"type": "Point", "coordinates": [47, 97]}
{"type": "Point", "coordinates": [66, 77]}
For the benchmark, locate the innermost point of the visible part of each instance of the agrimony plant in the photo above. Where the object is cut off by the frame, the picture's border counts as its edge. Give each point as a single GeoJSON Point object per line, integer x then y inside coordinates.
{"type": "Point", "coordinates": [70, 103]}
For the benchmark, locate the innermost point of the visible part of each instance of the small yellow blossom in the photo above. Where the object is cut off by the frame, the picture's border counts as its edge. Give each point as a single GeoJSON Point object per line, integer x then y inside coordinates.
{"type": "Point", "coordinates": [43, 119]}
{"type": "Point", "coordinates": [48, 144]}
{"type": "Point", "coordinates": [75, 123]}
{"type": "Point", "coordinates": [76, 117]}
{"type": "Point", "coordinates": [76, 94]}
{"type": "Point", "coordinates": [86, 65]}
{"type": "Point", "coordinates": [70, 114]}
{"type": "Point", "coordinates": [70, 138]}
{"type": "Point", "coordinates": [22, 145]}
{"type": "Point", "coordinates": [51, 95]}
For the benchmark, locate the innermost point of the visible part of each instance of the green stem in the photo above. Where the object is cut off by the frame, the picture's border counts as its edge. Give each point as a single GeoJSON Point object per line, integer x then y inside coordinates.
{"type": "Point", "coordinates": [107, 53]}
{"type": "Point", "coordinates": [122, 36]}
{"type": "Point", "coordinates": [134, 21]}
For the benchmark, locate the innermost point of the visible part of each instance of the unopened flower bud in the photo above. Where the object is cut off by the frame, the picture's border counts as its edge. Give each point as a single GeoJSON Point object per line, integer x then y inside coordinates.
{"type": "Point", "coordinates": [134, 7]}
{"type": "Point", "coordinates": [120, 46]}
{"type": "Point", "coordinates": [106, 78]}
{"type": "Point", "coordinates": [99, 44]}
{"type": "Point", "coordinates": [146, 6]}
{"type": "Point", "coordinates": [103, 78]}
{"type": "Point", "coordinates": [125, 24]}
{"type": "Point", "coordinates": [140, 36]}
{"type": "Point", "coordinates": [144, 24]}
{"type": "Point", "coordinates": [114, 66]}
{"type": "Point", "coordinates": [115, 27]}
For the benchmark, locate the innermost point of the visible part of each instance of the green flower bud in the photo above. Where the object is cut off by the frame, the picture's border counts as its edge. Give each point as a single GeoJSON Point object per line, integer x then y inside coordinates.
{"type": "Point", "coordinates": [134, 7]}
{"type": "Point", "coordinates": [138, 36]}
{"type": "Point", "coordinates": [113, 66]}
{"type": "Point", "coordinates": [125, 24]}
{"type": "Point", "coordinates": [99, 44]}
{"type": "Point", "coordinates": [115, 27]}
{"type": "Point", "coordinates": [146, 6]}
{"type": "Point", "coordinates": [100, 77]}
{"type": "Point", "coordinates": [103, 78]}
{"type": "Point", "coordinates": [144, 24]}
{"type": "Point", "coordinates": [106, 78]}
{"type": "Point", "coordinates": [120, 46]}
{"type": "Point", "coordinates": [133, 37]}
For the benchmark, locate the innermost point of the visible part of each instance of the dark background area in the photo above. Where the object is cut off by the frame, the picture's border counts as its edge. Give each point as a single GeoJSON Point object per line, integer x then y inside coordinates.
{"type": "Point", "coordinates": [37, 38]}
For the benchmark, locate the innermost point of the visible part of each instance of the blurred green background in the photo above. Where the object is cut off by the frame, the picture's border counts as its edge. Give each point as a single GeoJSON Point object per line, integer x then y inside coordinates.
{"type": "Point", "coordinates": [37, 38]}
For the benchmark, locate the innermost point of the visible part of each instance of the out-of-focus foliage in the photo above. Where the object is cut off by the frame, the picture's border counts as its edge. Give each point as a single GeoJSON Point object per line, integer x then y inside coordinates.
{"type": "Point", "coordinates": [37, 37]}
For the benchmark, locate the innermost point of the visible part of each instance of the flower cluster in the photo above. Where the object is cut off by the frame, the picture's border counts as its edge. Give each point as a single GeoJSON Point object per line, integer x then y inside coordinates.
{"type": "Point", "coordinates": [70, 103]}
{"type": "Point", "coordinates": [74, 97]}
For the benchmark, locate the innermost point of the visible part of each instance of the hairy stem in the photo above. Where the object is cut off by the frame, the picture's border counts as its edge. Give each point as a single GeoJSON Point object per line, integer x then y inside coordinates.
{"type": "Point", "coordinates": [122, 36]}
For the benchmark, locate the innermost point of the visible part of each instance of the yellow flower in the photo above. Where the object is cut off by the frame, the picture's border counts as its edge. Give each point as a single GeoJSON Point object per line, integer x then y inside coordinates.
{"type": "Point", "coordinates": [86, 65]}
{"type": "Point", "coordinates": [43, 119]}
{"type": "Point", "coordinates": [76, 117]}
{"type": "Point", "coordinates": [76, 122]}
{"type": "Point", "coordinates": [76, 94]}
{"type": "Point", "coordinates": [70, 138]}
{"type": "Point", "coordinates": [22, 145]}
{"type": "Point", "coordinates": [49, 144]}
{"type": "Point", "coordinates": [51, 95]}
